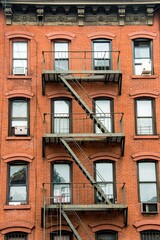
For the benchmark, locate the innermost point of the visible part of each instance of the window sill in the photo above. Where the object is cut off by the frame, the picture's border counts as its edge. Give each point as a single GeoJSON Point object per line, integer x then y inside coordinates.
{"type": "Point", "coordinates": [20, 77]}
{"type": "Point", "coordinates": [20, 207]}
{"type": "Point", "coordinates": [144, 76]}
{"type": "Point", "coordinates": [146, 137]}
{"type": "Point", "coordinates": [18, 138]}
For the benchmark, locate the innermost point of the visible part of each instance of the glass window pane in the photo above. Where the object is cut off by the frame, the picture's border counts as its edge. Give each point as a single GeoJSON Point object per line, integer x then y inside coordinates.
{"type": "Point", "coordinates": [106, 236]}
{"type": "Point", "coordinates": [20, 50]}
{"type": "Point", "coordinates": [19, 123]}
{"type": "Point", "coordinates": [61, 64]}
{"type": "Point", "coordinates": [144, 108]}
{"type": "Point", "coordinates": [144, 126]}
{"type": "Point", "coordinates": [147, 171]}
{"type": "Point", "coordinates": [18, 174]}
{"type": "Point", "coordinates": [18, 193]}
{"type": "Point", "coordinates": [62, 193]}
{"type": "Point", "coordinates": [19, 109]}
{"type": "Point", "coordinates": [20, 63]}
{"type": "Point", "coordinates": [61, 173]}
{"type": "Point", "coordinates": [61, 50]}
{"type": "Point", "coordinates": [104, 172]}
{"type": "Point", "coordinates": [148, 192]}
{"type": "Point", "coordinates": [61, 107]}
{"type": "Point", "coordinates": [61, 125]}
{"type": "Point", "coordinates": [101, 50]}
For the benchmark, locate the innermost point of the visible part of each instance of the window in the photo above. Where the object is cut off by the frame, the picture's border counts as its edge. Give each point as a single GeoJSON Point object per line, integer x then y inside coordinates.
{"type": "Point", "coordinates": [18, 183]}
{"type": "Point", "coordinates": [106, 235]}
{"type": "Point", "coordinates": [101, 54]}
{"type": "Point", "coordinates": [61, 174]}
{"type": "Point", "coordinates": [16, 236]}
{"type": "Point", "coordinates": [147, 176]}
{"type": "Point", "coordinates": [20, 57]}
{"type": "Point", "coordinates": [150, 235]}
{"type": "Point", "coordinates": [142, 56]}
{"type": "Point", "coordinates": [61, 56]}
{"type": "Point", "coordinates": [61, 116]}
{"type": "Point", "coordinates": [145, 116]}
{"type": "Point", "coordinates": [105, 177]}
{"type": "Point", "coordinates": [64, 235]}
{"type": "Point", "coordinates": [19, 117]}
{"type": "Point", "coordinates": [104, 111]}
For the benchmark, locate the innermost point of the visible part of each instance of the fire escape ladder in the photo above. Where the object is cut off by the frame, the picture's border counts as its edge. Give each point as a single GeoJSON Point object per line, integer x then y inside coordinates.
{"type": "Point", "coordinates": [85, 172]}
{"type": "Point", "coordinates": [88, 111]}
{"type": "Point", "coordinates": [71, 225]}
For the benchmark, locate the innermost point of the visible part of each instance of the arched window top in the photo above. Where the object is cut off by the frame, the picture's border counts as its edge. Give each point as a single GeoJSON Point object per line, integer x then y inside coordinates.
{"type": "Point", "coordinates": [144, 225]}
{"type": "Point", "coordinates": [144, 94]}
{"type": "Point", "coordinates": [16, 226]}
{"type": "Point", "coordinates": [142, 34]}
{"type": "Point", "coordinates": [18, 157]}
{"type": "Point", "coordinates": [148, 156]}
{"type": "Point", "coordinates": [101, 35]}
{"type": "Point", "coordinates": [19, 34]}
{"type": "Point", "coordinates": [60, 35]}
{"type": "Point", "coordinates": [19, 94]}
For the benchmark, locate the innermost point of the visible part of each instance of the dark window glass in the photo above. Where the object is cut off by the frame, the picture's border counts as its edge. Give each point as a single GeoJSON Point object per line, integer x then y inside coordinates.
{"type": "Point", "coordinates": [105, 178]}
{"type": "Point", "coordinates": [142, 57]}
{"type": "Point", "coordinates": [61, 56]}
{"type": "Point", "coordinates": [145, 117]}
{"type": "Point", "coordinates": [18, 183]}
{"type": "Point", "coordinates": [20, 58]}
{"type": "Point", "coordinates": [147, 181]}
{"type": "Point", "coordinates": [106, 235]}
{"type": "Point", "coordinates": [19, 117]}
{"type": "Point", "coordinates": [61, 182]}
{"type": "Point", "coordinates": [61, 121]}
{"type": "Point", "coordinates": [101, 55]}
{"type": "Point", "coordinates": [150, 235]}
{"type": "Point", "coordinates": [16, 236]}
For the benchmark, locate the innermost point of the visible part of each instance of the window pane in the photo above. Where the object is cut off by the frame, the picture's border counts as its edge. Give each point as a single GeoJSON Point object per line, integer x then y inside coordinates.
{"type": "Point", "coordinates": [62, 193]}
{"type": "Point", "coordinates": [61, 173]}
{"type": "Point", "coordinates": [106, 236]}
{"type": "Point", "coordinates": [108, 191]}
{"type": "Point", "coordinates": [144, 108]}
{"type": "Point", "coordinates": [20, 63]}
{"type": "Point", "coordinates": [19, 123]}
{"type": "Point", "coordinates": [20, 50]}
{"type": "Point", "coordinates": [61, 107]}
{"type": "Point", "coordinates": [61, 64]}
{"type": "Point", "coordinates": [18, 174]}
{"type": "Point", "coordinates": [16, 236]}
{"type": "Point", "coordinates": [144, 126]}
{"type": "Point", "coordinates": [101, 50]}
{"type": "Point", "coordinates": [147, 171]}
{"type": "Point", "coordinates": [150, 235]}
{"type": "Point", "coordinates": [18, 193]}
{"type": "Point", "coordinates": [61, 125]}
{"type": "Point", "coordinates": [19, 109]}
{"type": "Point", "coordinates": [104, 172]}
{"type": "Point", "coordinates": [61, 50]}
{"type": "Point", "coordinates": [148, 192]}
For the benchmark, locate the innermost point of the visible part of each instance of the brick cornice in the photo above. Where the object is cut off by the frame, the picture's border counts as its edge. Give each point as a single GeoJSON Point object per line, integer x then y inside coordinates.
{"type": "Point", "coordinates": [60, 35]}
{"type": "Point", "coordinates": [106, 35]}
{"type": "Point", "coordinates": [58, 156]}
{"type": "Point", "coordinates": [107, 225]}
{"type": "Point", "coordinates": [19, 93]}
{"type": "Point", "coordinates": [144, 93]}
{"type": "Point", "coordinates": [17, 156]}
{"type": "Point", "coordinates": [104, 156]}
{"type": "Point", "coordinates": [19, 34]}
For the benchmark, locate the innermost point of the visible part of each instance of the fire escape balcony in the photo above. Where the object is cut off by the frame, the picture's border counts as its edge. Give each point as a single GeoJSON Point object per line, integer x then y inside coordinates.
{"type": "Point", "coordinates": [82, 66]}
{"type": "Point", "coordinates": [80, 127]}
{"type": "Point", "coordinates": [78, 197]}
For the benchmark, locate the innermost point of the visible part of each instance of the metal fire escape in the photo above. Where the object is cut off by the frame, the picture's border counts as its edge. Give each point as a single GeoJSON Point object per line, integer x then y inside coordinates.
{"type": "Point", "coordinates": [68, 79]}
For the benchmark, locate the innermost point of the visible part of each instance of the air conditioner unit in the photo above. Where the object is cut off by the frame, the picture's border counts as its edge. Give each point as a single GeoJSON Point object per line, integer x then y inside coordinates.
{"type": "Point", "coordinates": [19, 71]}
{"type": "Point", "coordinates": [146, 67]}
{"type": "Point", "coordinates": [20, 130]}
{"type": "Point", "coordinates": [149, 208]}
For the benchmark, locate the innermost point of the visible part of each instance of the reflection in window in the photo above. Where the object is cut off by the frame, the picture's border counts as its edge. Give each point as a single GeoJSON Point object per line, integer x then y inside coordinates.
{"type": "Point", "coordinates": [61, 182]}
{"type": "Point", "coordinates": [61, 116]}
{"type": "Point", "coordinates": [147, 181]}
{"type": "Point", "coordinates": [105, 179]}
{"type": "Point", "coordinates": [101, 55]}
{"type": "Point", "coordinates": [19, 117]}
{"type": "Point", "coordinates": [64, 235]}
{"type": "Point", "coordinates": [61, 59]}
{"type": "Point", "coordinates": [145, 119]}
{"type": "Point", "coordinates": [150, 235]}
{"type": "Point", "coordinates": [16, 236]}
{"type": "Point", "coordinates": [20, 61]}
{"type": "Point", "coordinates": [142, 57]}
{"type": "Point", "coordinates": [103, 110]}
{"type": "Point", "coordinates": [18, 183]}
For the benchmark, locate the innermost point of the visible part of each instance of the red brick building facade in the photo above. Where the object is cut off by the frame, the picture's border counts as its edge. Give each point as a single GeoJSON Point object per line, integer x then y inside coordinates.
{"type": "Point", "coordinates": [79, 117]}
